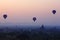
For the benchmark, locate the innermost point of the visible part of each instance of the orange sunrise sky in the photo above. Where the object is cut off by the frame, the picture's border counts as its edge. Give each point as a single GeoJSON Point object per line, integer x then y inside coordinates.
{"type": "Point", "coordinates": [22, 12]}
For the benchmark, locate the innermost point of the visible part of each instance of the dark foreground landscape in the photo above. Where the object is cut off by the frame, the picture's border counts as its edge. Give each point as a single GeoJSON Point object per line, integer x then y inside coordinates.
{"type": "Point", "coordinates": [29, 33]}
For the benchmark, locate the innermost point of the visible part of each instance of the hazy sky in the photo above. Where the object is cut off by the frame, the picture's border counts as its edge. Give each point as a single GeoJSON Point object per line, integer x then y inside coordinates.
{"type": "Point", "coordinates": [22, 12]}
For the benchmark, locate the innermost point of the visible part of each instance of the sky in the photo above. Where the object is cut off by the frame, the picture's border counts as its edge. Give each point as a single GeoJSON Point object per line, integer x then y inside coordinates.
{"type": "Point", "coordinates": [21, 12]}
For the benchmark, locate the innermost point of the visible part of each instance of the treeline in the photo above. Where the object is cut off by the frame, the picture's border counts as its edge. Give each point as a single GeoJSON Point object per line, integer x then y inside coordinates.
{"type": "Point", "coordinates": [36, 34]}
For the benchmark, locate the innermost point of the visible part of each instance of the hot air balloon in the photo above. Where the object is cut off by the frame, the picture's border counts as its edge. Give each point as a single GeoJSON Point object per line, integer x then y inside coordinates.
{"type": "Point", "coordinates": [5, 16]}
{"type": "Point", "coordinates": [54, 11]}
{"type": "Point", "coordinates": [34, 19]}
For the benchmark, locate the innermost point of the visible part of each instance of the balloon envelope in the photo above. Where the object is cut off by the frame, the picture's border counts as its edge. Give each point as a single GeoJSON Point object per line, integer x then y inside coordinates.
{"type": "Point", "coordinates": [4, 16]}
{"type": "Point", "coordinates": [54, 11]}
{"type": "Point", "coordinates": [34, 19]}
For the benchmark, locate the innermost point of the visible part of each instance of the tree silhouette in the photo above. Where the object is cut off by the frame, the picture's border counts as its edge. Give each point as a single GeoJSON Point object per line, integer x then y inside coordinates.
{"type": "Point", "coordinates": [42, 26]}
